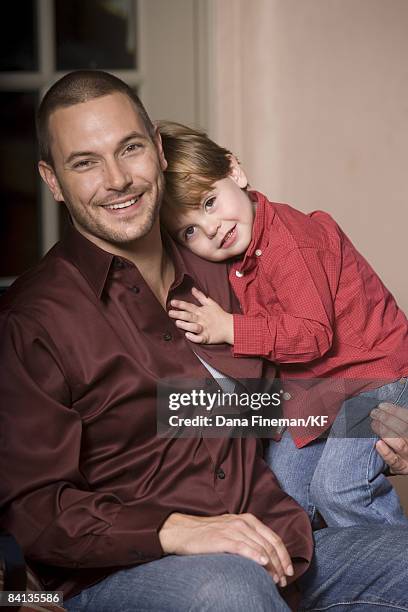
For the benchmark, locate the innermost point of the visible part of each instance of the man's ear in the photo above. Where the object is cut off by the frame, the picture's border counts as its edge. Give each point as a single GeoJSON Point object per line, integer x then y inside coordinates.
{"type": "Point", "coordinates": [159, 147]}
{"type": "Point", "coordinates": [48, 176]}
{"type": "Point", "coordinates": [237, 173]}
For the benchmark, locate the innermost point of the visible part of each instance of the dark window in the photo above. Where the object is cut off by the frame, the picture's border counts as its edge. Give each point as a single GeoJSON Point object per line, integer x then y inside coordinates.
{"type": "Point", "coordinates": [95, 34]}
{"type": "Point", "coordinates": [18, 36]}
{"type": "Point", "coordinates": [19, 209]}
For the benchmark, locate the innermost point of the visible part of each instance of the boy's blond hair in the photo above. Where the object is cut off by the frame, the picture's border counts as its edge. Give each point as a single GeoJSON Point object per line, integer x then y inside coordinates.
{"type": "Point", "coordinates": [195, 163]}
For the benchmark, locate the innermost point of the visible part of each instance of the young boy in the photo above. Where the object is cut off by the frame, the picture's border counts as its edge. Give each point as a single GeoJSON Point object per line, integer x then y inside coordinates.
{"type": "Point", "coordinates": [310, 303]}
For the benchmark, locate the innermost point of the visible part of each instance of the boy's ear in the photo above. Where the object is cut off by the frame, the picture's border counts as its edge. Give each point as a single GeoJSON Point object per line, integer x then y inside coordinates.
{"type": "Point", "coordinates": [48, 175]}
{"type": "Point", "coordinates": [237, 173]}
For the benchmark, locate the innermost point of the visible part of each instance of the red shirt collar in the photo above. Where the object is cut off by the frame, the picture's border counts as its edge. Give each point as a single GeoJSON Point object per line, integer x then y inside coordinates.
{"type": "Point", "coordinates": [264, 214]}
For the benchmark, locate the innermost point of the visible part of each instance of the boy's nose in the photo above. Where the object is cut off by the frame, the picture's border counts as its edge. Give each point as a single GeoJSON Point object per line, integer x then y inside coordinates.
{"type": "Point", "coordinates": [212, 228]}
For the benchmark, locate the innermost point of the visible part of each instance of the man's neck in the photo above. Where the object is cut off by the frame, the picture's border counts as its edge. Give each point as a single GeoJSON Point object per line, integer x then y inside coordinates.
{"type": "Point", "coordinates": [150, 257]}
{"type": "Point", "coordinates": [154, 264]}
{"type": "Point", "coordinates": [156, 267]}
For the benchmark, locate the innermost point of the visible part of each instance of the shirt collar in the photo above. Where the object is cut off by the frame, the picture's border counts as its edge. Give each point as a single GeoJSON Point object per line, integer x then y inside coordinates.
{"type": "Point", "coordinates": [264, 214]}
{"type": "Point", "coordinates": [94, 263]}
{"type": "Point", "coordinates": [176, 254]}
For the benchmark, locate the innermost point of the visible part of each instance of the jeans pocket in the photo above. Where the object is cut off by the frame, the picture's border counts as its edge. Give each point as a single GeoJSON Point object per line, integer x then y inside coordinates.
{"type": "Point", "coordinates": [392, 393]}
{"type": "Point", "coordinates": [402, 399]}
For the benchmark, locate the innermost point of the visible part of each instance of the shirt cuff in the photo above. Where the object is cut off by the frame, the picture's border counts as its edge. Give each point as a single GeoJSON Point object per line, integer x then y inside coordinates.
{"type": "Point", "coordinates": [250, 334]}
{"type": "Point", "coordinates": [131, 540]}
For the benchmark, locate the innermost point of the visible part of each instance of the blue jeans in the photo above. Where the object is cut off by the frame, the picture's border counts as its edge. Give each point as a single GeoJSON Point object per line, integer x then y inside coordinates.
{"type": "Point", "coordinates": [361, 569]}
{"type": "Point", "coordinates": [213, 583]}
{"type": "Point", "coordinates": [343, 477]}
{"type": "Point", "coordinates": [358, 568]}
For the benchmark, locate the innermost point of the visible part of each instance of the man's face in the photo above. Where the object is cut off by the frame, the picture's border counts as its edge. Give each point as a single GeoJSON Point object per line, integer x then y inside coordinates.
{"type": "Point", "coordinates": [107, 169]}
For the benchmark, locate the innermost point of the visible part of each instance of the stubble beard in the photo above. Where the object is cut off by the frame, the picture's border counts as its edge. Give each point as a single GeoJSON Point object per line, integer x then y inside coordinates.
{"type": "Point", "coordinates": [128, 231]}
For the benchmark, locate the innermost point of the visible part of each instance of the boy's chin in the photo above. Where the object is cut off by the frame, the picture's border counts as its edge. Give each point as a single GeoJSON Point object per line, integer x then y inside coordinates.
{"type": "Point", "coordinates": [213, 257]}
{"type": "Point", "coordinates": [227, 255]}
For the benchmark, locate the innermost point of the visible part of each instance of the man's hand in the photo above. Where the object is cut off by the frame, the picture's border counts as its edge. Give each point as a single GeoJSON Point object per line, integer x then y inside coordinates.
{"type": "Point", "coordinates": [390, 422]}
{"type": "Point", "coordinates": [205, 324]}
{"type": "Point", "coordinates": [241, 534]}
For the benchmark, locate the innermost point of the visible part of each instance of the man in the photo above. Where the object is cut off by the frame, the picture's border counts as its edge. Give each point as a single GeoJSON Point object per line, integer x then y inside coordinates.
{"type": "Point", "coordinates": [108, 512]}
{"type": "Point", "coordinates": [391, 424]}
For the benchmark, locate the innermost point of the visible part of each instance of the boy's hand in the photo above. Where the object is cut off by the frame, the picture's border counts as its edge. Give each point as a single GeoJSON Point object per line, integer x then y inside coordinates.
{"type": "Point", "coordinates": [205, 324]}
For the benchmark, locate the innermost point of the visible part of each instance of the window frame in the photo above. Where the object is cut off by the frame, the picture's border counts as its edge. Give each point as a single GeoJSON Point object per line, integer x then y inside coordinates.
{"type": "Point", "coordinates": [188, 21]}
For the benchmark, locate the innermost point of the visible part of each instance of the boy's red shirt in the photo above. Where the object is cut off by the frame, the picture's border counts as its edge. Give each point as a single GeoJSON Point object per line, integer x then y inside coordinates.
{"type": "Point", "coordinates": [315, 306]}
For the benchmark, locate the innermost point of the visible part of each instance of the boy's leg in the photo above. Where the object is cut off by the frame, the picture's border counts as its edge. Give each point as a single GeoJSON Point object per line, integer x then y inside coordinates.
{"type": "Point", "coordinates": [294, 467]}
{"type": "Point", "coordinates": [349, 486]}
{"type": "Point", "coordinates": [202, 583]}
{"type": "Point", "coordinates": [358, 568]}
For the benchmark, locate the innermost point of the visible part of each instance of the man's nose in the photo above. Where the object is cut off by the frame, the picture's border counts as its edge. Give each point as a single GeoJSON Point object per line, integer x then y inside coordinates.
{"type": "Point", "coordinates": [116, 176]}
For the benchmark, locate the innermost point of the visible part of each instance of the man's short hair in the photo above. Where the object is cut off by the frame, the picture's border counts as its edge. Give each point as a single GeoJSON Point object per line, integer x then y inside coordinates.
{"type": "Point", "coordinates": [81, 86]}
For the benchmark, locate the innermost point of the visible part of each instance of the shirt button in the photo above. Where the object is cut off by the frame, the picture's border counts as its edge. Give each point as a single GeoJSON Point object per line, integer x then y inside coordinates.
{"type": "Point", "coordinates": [138, 556]}
{"type": "Point", "coordinates": [167, 336]}
{"type": "Point", "coordinates": [258, 252]}
{"type": "Point", "coordinates": [118, 264]}
{"type": "Point", "coordinates": [239, 273]}
{"type": "Point", "coordinates": [135, 289]}
{"type": "Point", "coordinates": [220, 474]}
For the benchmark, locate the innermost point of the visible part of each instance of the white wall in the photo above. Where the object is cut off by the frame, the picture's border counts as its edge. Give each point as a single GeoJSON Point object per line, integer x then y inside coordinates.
{"type": "Point", "coordinates": [313, 96]}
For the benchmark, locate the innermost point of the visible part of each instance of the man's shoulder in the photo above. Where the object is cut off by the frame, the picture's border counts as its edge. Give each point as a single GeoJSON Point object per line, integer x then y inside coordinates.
{"type": "Point", "coordinates": [201, 268]}
{"type": "Point", "coordinates": [209, 277]}
{"type": "Point", "coordinates": [49, 281]}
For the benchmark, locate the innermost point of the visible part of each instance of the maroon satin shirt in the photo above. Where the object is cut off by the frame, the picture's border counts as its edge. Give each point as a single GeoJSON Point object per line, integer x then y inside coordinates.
{"type": "Point", "coordinates": [85, 482]}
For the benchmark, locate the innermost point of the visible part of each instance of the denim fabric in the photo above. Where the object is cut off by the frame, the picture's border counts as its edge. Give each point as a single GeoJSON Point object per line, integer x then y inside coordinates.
{"type": "Point", "coordinates": [361, 569]}
{"type": "Point", "coordinates": [194, 583]}
{"type": "Point", "coordinates": [343, 477]}
{"type": "Point", "coordinates": [357, 569]}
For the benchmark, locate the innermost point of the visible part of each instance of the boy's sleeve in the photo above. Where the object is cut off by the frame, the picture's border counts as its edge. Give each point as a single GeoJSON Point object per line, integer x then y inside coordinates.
{"type": "Point", "coordinates": [299, 325]}
{"type": "Point", "coordinates": [46, 501]}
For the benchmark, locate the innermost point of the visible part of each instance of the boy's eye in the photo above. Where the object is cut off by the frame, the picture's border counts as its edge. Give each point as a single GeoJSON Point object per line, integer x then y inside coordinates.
{"type": "Point", "coordinates": [208, 204]}
{"type": "Point", "coordinates": [189, 232]}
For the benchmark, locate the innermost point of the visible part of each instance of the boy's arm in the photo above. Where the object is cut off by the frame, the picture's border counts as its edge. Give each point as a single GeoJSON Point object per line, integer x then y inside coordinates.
{"type": "Point", "coordinates": [298, 327]}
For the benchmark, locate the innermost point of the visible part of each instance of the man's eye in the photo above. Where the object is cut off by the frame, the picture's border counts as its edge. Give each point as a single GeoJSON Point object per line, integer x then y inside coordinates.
{"type": "Point", "coordinates": [84, 163]}
{"type": "Point", "coordinates": [209, 204]}
{"type": "Point", "coordinates": [189, 232]}
{"type": "Point", "coordinates": [133, 147]}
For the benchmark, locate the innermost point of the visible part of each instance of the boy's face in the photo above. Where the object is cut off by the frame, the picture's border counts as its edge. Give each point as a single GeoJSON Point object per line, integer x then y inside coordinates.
{"type": "Point", "coordinates": [221, 227]}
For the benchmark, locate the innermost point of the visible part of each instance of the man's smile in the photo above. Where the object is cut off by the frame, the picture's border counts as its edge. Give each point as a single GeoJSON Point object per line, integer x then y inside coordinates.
{"type": "Point", "coordinates": [122, 204]}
